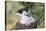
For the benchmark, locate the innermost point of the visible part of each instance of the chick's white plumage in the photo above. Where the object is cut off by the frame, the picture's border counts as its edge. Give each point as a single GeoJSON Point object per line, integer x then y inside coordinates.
{"type": "Point", "coordinates": [25, 19]}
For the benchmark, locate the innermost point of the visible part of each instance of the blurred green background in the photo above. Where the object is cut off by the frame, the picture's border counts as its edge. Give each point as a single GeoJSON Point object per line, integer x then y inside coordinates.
{"type": "Point", "coordinates": [38, 10]}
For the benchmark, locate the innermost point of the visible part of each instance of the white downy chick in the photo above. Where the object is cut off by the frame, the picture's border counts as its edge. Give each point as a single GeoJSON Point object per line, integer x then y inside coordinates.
{"type": "Point", "coordinates": [24, 18]}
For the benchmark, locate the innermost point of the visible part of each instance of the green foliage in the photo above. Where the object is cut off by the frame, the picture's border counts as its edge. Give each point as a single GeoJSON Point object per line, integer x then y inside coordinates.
{"type": "Point", "coordinates": [28, 4]}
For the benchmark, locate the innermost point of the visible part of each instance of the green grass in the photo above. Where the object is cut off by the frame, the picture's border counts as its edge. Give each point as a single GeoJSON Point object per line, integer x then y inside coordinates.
{"type": "Point", "coordinates": [39, 12]}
